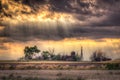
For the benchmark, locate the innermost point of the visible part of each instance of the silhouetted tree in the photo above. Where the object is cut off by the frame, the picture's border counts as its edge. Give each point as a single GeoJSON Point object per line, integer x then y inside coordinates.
{"type": "Point", "coordinates": [45, 55]}
{"type": "Point", "coordinates": [99, 56]}
{"type": "Point", "coordinates": [57, 57]}
{"type": "Point", "coordinates": [29, 51]}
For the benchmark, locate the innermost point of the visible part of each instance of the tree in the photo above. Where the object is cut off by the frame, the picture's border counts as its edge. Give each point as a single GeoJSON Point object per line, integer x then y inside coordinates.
{"type": "Point", "coordinates": [29, 51]}
{"type": "Point", "coordinates": [45, 55]}
{"type": "Point", "coordinates": [77, 58]}
{"type": "Point", "coordinates": [99, 56]}
{"type": "Point", "coordinates": [51, 51]}
{"type": "Point", "coordinates": [57, 57]}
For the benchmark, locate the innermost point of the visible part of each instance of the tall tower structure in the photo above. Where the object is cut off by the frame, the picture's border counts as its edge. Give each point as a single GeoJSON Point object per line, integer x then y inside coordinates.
{"type": "Point", "coordinates": [81, 56]}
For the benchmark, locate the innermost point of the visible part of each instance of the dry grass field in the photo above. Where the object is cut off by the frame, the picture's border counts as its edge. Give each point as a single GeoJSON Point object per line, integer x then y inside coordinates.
{"type": "Point", "coordinates": [61, 74]}
{"type": "Point", "coordinates": [59, 70]}
{"type": "Point", "coordinates": [55, 65]}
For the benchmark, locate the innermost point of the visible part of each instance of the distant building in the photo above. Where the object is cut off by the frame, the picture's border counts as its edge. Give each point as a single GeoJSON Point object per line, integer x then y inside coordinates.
{"type": "Point", "coordinates": [73, 53]}
{"type": "Point", "coordinates": [69, 57]}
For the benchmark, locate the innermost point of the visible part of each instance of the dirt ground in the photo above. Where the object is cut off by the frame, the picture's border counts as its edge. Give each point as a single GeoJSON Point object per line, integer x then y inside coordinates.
{"type": "Point", "coordinates": [53, 65]}
{"type": "Point", "coordinates": [53, 74]}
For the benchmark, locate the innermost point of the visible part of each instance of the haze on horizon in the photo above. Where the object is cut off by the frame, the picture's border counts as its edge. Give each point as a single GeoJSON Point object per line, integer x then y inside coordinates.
{"type": "Point", "coordinates": [64, 25]}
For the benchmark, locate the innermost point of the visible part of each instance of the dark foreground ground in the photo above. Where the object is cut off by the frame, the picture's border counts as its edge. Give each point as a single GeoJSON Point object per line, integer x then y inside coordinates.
{"type": "Point", "coordinates": [59, 74]}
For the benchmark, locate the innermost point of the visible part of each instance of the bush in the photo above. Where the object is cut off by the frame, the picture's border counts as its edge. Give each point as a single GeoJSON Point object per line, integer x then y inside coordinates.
{"type": "Point", "coordinates": [80, 78]}
{"type": "Point", "coordinates": [12, 67]}
{"type": "Point", "coordinates": [59, 74]}
{"type": "Point", "coordinates": [113, 66]}
{"type": "Point", "coordinates": [12, 77]}
{"type": "Point", "coordinates": [3, 77]}
{"type": "Point", "coordinates": [65, 78]}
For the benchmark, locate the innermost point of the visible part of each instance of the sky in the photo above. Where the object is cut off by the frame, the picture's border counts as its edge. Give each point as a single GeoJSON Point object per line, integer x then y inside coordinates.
{"type": "Point", "coordinates": [62, 25]}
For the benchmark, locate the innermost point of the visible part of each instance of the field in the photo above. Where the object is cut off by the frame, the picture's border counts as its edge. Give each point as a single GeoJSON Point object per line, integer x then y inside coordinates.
{"type": "Point", "coordinates": [56, 65]}
{"type": "Point", "coordinates": [59, 70]}
{"type": "Point", "coordinates": [60, 74]}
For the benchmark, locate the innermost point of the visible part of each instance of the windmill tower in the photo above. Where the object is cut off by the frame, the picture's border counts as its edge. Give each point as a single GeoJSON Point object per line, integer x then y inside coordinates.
{"type": "Point", "coordinates": [81, 56]}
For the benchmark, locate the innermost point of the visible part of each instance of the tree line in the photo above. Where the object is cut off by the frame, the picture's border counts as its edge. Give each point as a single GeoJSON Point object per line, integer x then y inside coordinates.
{"type": "Point", "coordinates": [31, 53]}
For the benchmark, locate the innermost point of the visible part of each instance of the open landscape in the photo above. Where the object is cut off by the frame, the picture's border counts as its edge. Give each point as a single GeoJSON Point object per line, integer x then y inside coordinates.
{"type": "Point", "coordinates": [59, 39]}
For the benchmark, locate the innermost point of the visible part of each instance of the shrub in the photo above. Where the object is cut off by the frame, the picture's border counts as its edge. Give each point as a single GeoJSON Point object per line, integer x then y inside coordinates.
{"type": "Point", "coordinates": [12, 67]}
{"type": "Point", "coordinates": [113, 66]}
{"type": "Point", "coordinates": [80, 78]}
{"type": "Point", "coordinates": [59, 74]}
{"type": "Point", "coordinates": [64, 78]}
{"type": "Point", "coordinates": [12, 77]}
{"type": "Point", "coordinates": [3, 77]}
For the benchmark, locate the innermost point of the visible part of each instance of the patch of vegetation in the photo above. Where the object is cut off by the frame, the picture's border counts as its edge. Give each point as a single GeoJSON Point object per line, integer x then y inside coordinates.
{"type": "Point", "coordinates": [29, 51]}
{"type": "Point", "coordinates": [80, 78]}
{"type": "Point", "coordinates": [59, 74]}
{"type": "Point", "coordinates": [99, 56]}
{"type": "Point", "coordinates": [12, 67]}
{"type": "Point", "coordinates": [64, 78]}
{"type": "Point", "coordinates": [113, 66]}
{"type": "Point", "coordinates": [111, 73]}
{"type": "Point", "coordinates": [13, 77]}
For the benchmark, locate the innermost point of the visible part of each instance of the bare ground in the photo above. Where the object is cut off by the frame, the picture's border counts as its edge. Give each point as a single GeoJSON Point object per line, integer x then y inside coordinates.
{"type": "Point", "coordinates": [53, 65]}
{"type": "Point", "coordinates": [53, 74]}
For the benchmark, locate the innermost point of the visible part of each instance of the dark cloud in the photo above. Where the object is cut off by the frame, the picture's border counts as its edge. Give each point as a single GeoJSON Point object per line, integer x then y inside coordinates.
{"type": "Point", "coordinates": [82, 10]}
{"type": "Point", "coordinates": [73, 6]}
{"type": "Point", "coordinates": [112, 16]}
{"type": "Point", "coordinates": [109, 2]}
{"type": "Point", "coordinates": [96, 8]}
{"type": "Point", "coordinates": [112, 20]}
{"type": "Point", "coordinates": [35, 4]}
{"type": "Point", "coordinates": [96, 32]}
{"type": "Point", "coordinates": [27, 33]}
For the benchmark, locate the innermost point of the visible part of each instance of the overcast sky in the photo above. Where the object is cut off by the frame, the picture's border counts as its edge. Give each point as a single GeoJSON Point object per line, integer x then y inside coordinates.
{"type": "Point", "coordinates": [57, 20]}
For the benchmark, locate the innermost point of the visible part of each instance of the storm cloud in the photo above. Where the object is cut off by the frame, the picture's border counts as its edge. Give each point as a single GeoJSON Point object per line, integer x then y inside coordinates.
{"type": "Point", "coordinates": [92, 19]}
{"type": "Point", "coordinates": [25, 33]}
